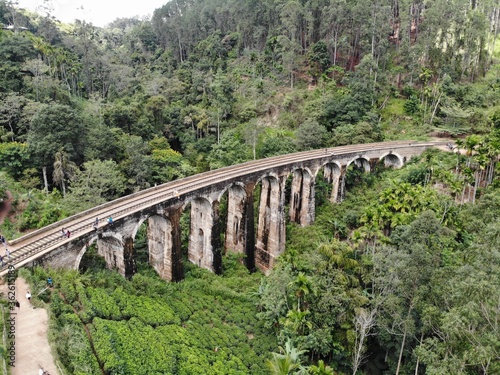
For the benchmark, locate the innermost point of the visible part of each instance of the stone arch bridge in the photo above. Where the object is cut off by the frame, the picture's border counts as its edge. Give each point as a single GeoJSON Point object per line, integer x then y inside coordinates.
{"type": "Point", "coordinates": [260, 235]}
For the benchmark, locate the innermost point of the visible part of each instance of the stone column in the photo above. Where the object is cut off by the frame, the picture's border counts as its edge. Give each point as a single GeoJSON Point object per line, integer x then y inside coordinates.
{"type": "Point", "coordinates": [236, 228]}
{"type": "Point", "coordinates": [271, 227]}
{"type": "Point", "coordinates": [176, 260]}
{"type": "Point", "coordinates": [215, 240]}
{"type": "Point", "coordinates": [341, 191]}
{"type": "Point", "coordinates": [332, 175]}
{"type": "Point", "coordinates": [128, 258]}
{"type": "Point", "coordinates": [200, 250]}
{"type": "Point", "coordinates": [249, 230]}
{"type": "Point", "coordinates": [165, 245]}
{"type": "Point", "coordinates": [302, 198]}
{"type": "Point", "coordinates": [111, 249]}
{"type": "Point", "coordinates": [296, 196]}
{"type": "Point", "coordinates": [240, 231]}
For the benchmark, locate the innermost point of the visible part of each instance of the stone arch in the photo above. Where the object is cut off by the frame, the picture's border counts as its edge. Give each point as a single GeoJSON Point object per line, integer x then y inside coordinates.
{"type": "Point", "coordinates": [392, 159]}
{"type": "Point", "coordinates": [189, 200]}
{"type": "Point", "coordinates": [303, 169]}
{"type": "Point", "coordinates": [83, 250]}
{"type": "Point", "coordinates": [360, 162]}
{"type": "Point", "coordinates": [270, 175]}
{"type": "Point", "coordinates": [110, 245]}
{"type": "Point", "coordinates": [139, 222]}
{"type": "Point", "coordinates": [334, 166]}
{"type": "Point", "coordinates": [228, 187]}
{"type": "Point", "coordinates": [332, 173]}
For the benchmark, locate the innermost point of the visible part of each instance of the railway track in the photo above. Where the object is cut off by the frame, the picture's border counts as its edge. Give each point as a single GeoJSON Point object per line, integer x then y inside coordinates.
{"type": "Point", "coordinates": [35, 244]}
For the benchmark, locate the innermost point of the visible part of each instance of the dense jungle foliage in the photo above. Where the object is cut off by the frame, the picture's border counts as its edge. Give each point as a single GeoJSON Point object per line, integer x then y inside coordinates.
{"type": "Point", "coordinates": [402, 277]}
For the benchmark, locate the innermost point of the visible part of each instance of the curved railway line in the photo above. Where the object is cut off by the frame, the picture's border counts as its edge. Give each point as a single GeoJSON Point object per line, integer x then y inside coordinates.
{"type": "Point", "coordinates": [35, 244]}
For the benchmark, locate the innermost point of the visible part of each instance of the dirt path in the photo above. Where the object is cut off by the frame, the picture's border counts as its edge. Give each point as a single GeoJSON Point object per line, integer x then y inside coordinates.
{"type": "Point", "coordinates": [32, 346]}
{"type": "Point", "coordinates": [31, 325]}
{"type": "Point", "coordinates": [5, 206]}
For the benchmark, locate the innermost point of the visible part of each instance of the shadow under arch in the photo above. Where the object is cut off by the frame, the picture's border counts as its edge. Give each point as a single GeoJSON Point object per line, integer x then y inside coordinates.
{"type": "Point", "coordinates": [109, 247]}
{"type": "Point", "coordinates": [360, 162]}
{"type": "Point", "coordinates": [332, 173]}
{"type": "Point", "coordinates": [391, 159]}
{"type": "Point", "coordinates": [83, 251]}
{"type": "Point", "coordinates": [353, 174]}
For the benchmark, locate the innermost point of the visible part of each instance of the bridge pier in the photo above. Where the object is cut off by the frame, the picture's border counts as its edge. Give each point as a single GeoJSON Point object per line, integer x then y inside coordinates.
{"type": "Point", "coordinates": [235, 227]}
{"type": "Point", "coordinates": [201, 236]}
{"type": "Point", "coordinates": [129, 258]}
{"type": "Point", "coordinates": [271, 226]}
{"type": "Point", "coordinates": [302, 198]}
{"type": "Point", "coordinates": [164, 243]}
{"type": "Point", "coordinates": [111, 247]}
{"type": "Point", "coordinates": [249, 229]}
{"type": "Point", "coordinates": [240, 223]}
{"type": "Point", "coordinates": [332, 174]}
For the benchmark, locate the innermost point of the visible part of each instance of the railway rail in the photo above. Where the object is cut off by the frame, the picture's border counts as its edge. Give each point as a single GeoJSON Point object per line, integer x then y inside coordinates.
{"type": "Point", "coordinates": [35, 244]}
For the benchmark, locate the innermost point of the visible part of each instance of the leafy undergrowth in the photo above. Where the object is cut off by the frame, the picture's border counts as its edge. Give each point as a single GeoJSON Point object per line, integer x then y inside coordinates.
{"type": "Point", "coordinates": [101, 321]}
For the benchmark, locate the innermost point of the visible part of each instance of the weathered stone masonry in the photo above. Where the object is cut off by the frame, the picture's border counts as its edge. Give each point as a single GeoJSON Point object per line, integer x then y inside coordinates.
{"type": "Point", "coordinates": [261, 242]}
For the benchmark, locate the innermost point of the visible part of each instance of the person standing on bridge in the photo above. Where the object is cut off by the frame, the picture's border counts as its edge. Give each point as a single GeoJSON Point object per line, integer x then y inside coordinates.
{"type": "Point", "coordinates": [7, 253]}
{"type": "Point", "coordinates": [68, 233]}
{"type": "Point", "coordinates": [63, 232]}
{"type": "Point", "coordinates": [96, 223]}
{"type": "Point", "coordinates": [110, 220]}
{"type": "Point", "coordinates": [3, 241]}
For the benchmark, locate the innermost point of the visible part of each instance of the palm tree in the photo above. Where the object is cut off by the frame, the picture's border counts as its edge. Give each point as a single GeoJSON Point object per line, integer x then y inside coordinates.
{"type": "Point", "coordinates": [492, 145]}
{"type": "Point", "coordinates": [303, 286]}
{"type": "Point", "coordinates": [63, 168]}
{"type": "Point", "coordinates": [320, 369]}
{"type": "Point", "coordinates": [287, 362]}
{"type": "Point", "coordinates": [340, 260]}
{"type": "Point", "coordinates": [298, 322]}
{"type": "Point", "coordinates": [470, 144]}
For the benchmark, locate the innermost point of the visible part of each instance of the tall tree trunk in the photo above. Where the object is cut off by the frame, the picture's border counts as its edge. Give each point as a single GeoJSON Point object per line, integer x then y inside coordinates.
{"type": "Point", "coordinates": [418, 359]}
{"type": "Point", "coordinates": [476, 184]}
{"type": "Point", "coordinates": [491, 170]}
{"type": "Point", "coordinates": [435, 108]}
{"type": "Point", "coordinates": [495, 20]}
{"type": "Point", "coordinates": [218, 128]}
{"type": "Point", "coordinates": [364, 322]}
{"type": "Point", "coordinates": [335, 38]}
{"type": "Point", "coordinates": [401, 350]}
{"type": "Point", "coordinates": [180, 47]}
{"type": "Point", "coordinates": [463, 192]}
{"type": "Point", "coordinates": [401, 353]}
{"type": "Point", "coordinates": [45, 181]}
